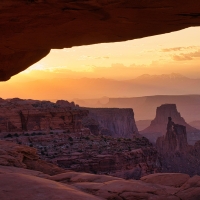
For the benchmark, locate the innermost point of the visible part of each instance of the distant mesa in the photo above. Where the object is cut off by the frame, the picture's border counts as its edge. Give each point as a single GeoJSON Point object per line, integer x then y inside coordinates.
{"type": "Point", "coordinates": [157, 127]}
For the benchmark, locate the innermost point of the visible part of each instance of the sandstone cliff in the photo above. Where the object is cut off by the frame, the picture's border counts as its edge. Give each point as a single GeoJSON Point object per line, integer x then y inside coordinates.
{"type": "Point", "coordinates": [157, 127]}
{"type": "Point", "coordinates": [12, 154]}
{"type": "Point", "coordinates": [114, 122]}
{"type": "Point", "coordinates": [17, 115]}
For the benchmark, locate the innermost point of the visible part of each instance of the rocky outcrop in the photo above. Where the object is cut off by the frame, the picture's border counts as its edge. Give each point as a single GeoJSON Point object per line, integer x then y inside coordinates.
{"type": "Point", "coordinates": [85, 152]}
{"type": "Point", "coordinates": [157, 127]}
{"type": "Point", "coordinates": [64, 103]}
{"type": "Point", "coordinates": [132, 164]}
{"type": "Point", "coordinates": [174, 140]}
{"type": "Point", "coordinates": [12, 154]}
{"type": "Point", "coordinates": [30, 28]}
{"type": "Point", "coordinates": [83, 186]}
{"type": "Point", "coordinates": [115, 122]}
{"type": "Point", "coordinates": [175, 153]}
{"type": "Point", "coordinates": [51, 182]}
{"type": "Point", "coordinates": [19, 115]}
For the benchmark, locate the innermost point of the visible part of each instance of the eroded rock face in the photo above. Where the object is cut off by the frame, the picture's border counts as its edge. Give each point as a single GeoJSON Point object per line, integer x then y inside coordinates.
{"type": "Point", "coordinates": [157, 127]}
{"type": "Point", "coordinates": [174, 140]}
{"type": "Point", "coordinates": [51, 182]}
{"type": "Point", "coordinates": [175, 153]}
{"type": "Point", "coordinates": [85, 152]}
{"type": "Point", "coordinates": [30, 28]}
{"type": "Point", "coordinates": [12, 154]}
{"type": "Point", "coordinates": [17, 115]}
{"type": "Point", "coordinates": [115, 122]}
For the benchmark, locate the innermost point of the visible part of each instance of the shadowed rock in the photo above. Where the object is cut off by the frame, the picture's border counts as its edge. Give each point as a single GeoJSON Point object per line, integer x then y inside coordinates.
{"type": "Point", "coordinates": [30, 29]}
{"type": "Point", "coordinates": [157, 127]}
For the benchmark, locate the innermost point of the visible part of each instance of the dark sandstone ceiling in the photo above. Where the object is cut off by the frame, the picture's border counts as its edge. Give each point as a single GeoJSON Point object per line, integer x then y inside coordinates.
{"type": "Point", "coordinates": [29, 29]}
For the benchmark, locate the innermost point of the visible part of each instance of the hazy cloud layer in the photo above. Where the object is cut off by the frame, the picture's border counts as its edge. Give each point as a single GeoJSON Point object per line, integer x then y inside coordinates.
{"type": "Point", "coordinates": [187, 56]}
{"type": "Point", "coordinates": [179, 49]}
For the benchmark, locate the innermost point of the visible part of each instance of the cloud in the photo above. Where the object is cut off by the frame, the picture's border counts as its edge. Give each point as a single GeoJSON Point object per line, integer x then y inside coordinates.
{"type": "Point", "coordinates": [186, 56]}
{"type": "Point", "coordinates": [84, 57]}
{"type": "Point", "coordinates": [181, 57]}
{"type": "Point", "coordinates": [179, 49]}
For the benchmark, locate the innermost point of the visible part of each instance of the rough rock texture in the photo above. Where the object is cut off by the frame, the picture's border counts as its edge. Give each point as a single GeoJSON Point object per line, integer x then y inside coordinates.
{"type": "Point", "coordinates": [174, 140]}
{"type": "Point", "coordinates": [30, 28]}
{"type": "Point", "coordinates": [175, 153]}
{"type": "Point", "coordinates": [115, 122]}
{"type": "Point", "coordinates": [128, 165]}
{"type": "Point", "coordinates": [157, 127]}
{"type": "Point", "coordinates": [51, 182]}
{"type": "Point", "coordinates": [85, 152]}
{"type": "Point", "coordinates": [12, 154]}
{"type": "Point", "coordinates": [17, 115]}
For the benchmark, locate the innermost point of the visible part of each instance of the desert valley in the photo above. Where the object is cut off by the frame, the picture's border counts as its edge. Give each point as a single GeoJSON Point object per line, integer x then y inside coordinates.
{"type": "Point", "coordinates": [99, 100]}
{"type": "Point", "coordinates": [64, 138]}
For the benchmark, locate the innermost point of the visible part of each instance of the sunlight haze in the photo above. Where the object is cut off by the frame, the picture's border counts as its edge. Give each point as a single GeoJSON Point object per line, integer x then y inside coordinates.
{"type": "Point", "coordinates": [177, 52]}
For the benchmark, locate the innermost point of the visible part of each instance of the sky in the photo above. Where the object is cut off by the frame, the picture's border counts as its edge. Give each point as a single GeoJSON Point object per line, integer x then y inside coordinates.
{"type": "Point", "coordinates": [176, 52]}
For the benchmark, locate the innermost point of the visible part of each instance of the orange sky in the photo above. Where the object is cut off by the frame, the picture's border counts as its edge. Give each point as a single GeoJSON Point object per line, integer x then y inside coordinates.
{"type": "Point", "coordinates": [177, 52]}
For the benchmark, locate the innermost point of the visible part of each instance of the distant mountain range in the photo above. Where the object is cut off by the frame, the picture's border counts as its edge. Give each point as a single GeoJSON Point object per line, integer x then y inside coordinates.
{"type": "Point", "coordinates": [153, 89]}
{"type": "Point", "coordinates": [145, 107]}
{"type": "Point", "coordinates": [88, 88]}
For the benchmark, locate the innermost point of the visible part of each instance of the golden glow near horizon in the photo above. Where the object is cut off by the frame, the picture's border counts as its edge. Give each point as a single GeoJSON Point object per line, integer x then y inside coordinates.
{"type": "Point", "coordinates": [175, 49]}
{"type": "Point", "coordinates": [176, 52]}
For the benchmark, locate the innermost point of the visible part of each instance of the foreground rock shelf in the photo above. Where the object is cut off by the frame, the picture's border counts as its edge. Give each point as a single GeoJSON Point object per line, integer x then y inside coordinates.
{"type": "Point", "coordinates": [47, 181]}
{"type": "Point", "coordinates": [31, 28]}
{"type": "Point", "coordinates": [83, 186]}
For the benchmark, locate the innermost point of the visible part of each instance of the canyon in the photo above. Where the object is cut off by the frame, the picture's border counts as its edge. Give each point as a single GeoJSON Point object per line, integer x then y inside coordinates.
{"type": "Point", "coordinates": [30, 29]}
{"type": "Point", "coordinates": [80, 150]}
{"type": "Point", "coordinates": [102, 141]}
{"type": "Point", "coordinates": [39, 184]}
{"type": "Point", "coordinates": [46, 148]}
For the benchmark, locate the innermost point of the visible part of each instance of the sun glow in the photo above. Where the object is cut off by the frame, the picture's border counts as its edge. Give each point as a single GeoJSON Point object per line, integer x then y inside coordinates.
{"type": "Point", "coordinates": [177, 52]}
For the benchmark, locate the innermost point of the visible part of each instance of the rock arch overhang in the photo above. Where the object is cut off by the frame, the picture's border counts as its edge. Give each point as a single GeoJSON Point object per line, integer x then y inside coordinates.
{"type": "Point", "coordinates": [29, 29]}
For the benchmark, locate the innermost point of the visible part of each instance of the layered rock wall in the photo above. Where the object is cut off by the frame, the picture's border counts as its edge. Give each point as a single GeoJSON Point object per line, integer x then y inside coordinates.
{"type": "Point", "coordinates": [114, 122]}
{"type": "Point", "coordinates": [20, 116]}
